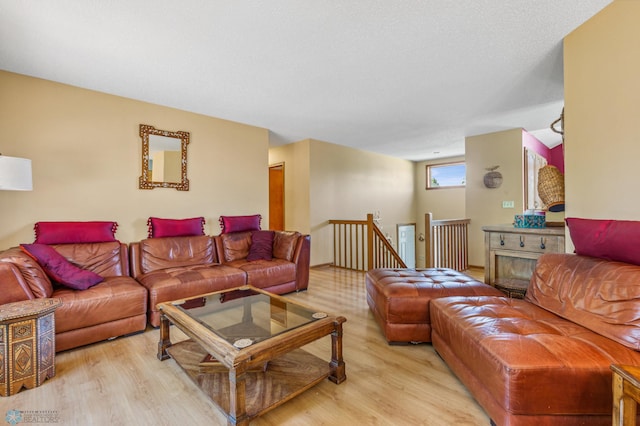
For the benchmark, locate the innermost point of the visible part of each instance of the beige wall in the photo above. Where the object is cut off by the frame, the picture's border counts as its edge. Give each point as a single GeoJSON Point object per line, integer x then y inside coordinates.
{"type": "Point", "coordinates": [86, 158]}
{"type": "Point", "coordinates": [325, 181]}
{"type": "Point", "coordinates": [602, 88]}
{"type": "Point", "coordinates": [445, 203]}
{"type": "Point", "coordinates": [348, 183]}
{"type": "Point", "coordinates": [296, 160]}
{"type": "Point", "coordinates": [484, 205]}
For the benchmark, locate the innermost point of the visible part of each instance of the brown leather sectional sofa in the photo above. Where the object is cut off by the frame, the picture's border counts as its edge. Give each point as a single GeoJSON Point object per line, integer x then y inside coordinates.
{"type": "Point", "coordinates": [178, 267]}
{"type": "Point", "coordinates": [545, 360]}
{"type": "Point", "coordinates": [161, 269]}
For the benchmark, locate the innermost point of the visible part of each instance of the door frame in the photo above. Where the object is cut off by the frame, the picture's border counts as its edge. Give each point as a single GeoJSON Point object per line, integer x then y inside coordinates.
{"type": "Point", "coordinates": [415, 252]}
{"type": "Point", "coordinates": [275, 166]}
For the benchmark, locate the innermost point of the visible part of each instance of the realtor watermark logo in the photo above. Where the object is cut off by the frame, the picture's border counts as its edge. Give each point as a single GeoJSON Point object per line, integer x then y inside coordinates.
{"type": "Point", "coordinates": [14, 417]}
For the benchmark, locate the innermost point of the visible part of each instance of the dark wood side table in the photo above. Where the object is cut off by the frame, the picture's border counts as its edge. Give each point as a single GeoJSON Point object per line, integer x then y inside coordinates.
{"type": "Point", "coordinates": [626, 394]}
{"type": "Point", "coordinates": [27, 344]}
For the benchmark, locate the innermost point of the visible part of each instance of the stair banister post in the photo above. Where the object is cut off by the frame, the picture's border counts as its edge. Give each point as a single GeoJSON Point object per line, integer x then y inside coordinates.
{"type": "Point", "coordinates": [369, 241]}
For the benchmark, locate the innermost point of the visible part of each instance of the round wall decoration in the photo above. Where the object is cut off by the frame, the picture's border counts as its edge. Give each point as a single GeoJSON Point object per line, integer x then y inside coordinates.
{"type": "Point", "coordinates": [493, 178]}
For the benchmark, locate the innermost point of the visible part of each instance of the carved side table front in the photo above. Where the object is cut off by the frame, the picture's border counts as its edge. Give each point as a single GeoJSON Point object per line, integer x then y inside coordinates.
{"type": "Point", "coordinates": [27, 344]}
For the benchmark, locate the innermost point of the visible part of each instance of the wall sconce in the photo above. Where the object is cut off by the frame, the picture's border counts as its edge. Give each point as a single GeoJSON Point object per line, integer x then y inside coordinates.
{"type": "Point", "coordinates": [492, 179]}
{"type": "Point", "coordinates": [15, 174]}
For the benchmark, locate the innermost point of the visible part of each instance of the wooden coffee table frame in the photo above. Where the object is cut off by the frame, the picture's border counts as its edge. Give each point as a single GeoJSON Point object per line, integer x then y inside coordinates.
{"type": "Point", "coordinates": [261, 376]}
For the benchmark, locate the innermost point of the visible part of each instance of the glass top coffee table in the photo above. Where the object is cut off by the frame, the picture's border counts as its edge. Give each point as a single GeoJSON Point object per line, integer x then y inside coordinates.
{"type": "Point", "coordinates": [244, 350]}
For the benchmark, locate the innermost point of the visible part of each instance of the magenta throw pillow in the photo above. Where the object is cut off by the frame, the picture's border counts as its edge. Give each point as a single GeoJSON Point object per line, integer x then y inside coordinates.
{"type": "Point", "coordinates": [59, 269]}
{"type": "Point", "coordinates": [159, 228]}
{"type": "Point", "coordinates": [606, 239]}
{"type": "Point", "coordinates": [74, 232]}
{"type": "Point", "coordinates": [240, 223]}
{"type": "Point", "coordinates": [261, 245]}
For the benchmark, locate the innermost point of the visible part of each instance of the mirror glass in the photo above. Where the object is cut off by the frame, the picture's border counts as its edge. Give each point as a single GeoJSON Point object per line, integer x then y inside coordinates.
{"type": "Point", "coordinates": [164, 158]}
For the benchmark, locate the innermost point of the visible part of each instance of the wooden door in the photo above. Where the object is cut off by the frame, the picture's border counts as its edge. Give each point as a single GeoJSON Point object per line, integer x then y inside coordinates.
{"type": "Point", "coordinates": [276, 197]}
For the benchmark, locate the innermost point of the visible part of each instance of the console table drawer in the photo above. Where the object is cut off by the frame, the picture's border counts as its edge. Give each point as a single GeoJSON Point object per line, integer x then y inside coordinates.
{"type": "Point", "coordinates": [525, 242]}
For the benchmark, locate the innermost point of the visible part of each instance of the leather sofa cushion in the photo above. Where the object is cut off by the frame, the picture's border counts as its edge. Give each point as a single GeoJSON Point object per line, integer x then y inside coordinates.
{"type": "Point", "coordinates": [105, 259]}
{"type": "Point", "coordinates": [169, 284]}
{"type": "Point", "coordinates": [235, 245]}
{"type": "Point", "coordinates": [175, 252]}
{"type": "Point", "coordinates": [531, 361]}
{"type": "Point", "coordinates": [601, 295]}
{"type": "Point", "coordinates": [284, 244]}
{"type": "Point", "coordinates": [266, 273]}
{"type": "Point", "coordinates": [111, 300]}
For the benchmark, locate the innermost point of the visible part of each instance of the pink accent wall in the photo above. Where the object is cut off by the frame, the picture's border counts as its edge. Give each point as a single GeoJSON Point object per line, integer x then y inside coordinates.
{"type": "Point", "coordinates": [554, 156]}
{"type": "Point", "coordinates": [557, 157]}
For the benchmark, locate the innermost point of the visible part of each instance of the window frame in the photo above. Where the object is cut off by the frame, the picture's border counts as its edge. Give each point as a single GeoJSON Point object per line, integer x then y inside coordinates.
{"type": "Point", "coordinates": [449, 164]}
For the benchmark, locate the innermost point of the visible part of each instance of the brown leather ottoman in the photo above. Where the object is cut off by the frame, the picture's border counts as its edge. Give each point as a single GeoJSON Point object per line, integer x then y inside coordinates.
{"type": "Point", "coordinates": [399, 298]}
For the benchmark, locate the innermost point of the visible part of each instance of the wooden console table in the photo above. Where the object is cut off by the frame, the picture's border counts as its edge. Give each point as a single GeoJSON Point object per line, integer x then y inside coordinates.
{"type": "Point", "coordinates": [511, 254]}
{"type": "Point", "coordinates": [626, 394]}
{"type": "Point", "coordinates": [27, 344]}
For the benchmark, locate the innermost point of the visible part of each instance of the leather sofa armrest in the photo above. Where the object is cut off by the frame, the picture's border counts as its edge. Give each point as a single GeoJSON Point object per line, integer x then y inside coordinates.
{"type": "Point", "coordinates": [219, 246]}
{"type": "Point", "coordinates": [124, 259]}
{"type": "Point", "coordinates": [13, 287]}
{"type": "Point", "coordinates": [302, 259]}
{"type": "Point", "coordinates": [135, 267]}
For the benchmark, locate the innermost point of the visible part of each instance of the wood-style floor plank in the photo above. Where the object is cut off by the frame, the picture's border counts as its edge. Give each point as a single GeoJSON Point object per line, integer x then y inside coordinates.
{"type": "Point", "coordinates": [121, 382]}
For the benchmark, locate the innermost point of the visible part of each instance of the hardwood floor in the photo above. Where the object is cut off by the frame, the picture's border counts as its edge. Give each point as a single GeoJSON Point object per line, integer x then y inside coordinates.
{"type": "Point", "coordinates": [121, 382]}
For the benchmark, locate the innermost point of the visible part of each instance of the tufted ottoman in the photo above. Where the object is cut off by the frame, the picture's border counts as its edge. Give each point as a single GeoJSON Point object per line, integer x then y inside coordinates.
{"type": "Point", "coordinates": [399, 298]}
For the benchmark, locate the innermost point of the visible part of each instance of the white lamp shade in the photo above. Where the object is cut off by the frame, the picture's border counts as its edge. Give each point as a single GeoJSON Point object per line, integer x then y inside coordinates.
{"type": "Point", "coordinates": [15, 174]}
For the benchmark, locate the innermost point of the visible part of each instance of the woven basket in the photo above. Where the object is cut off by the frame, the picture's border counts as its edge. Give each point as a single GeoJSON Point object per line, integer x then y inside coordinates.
{"type": "Point", "coordinates": [551, 188]}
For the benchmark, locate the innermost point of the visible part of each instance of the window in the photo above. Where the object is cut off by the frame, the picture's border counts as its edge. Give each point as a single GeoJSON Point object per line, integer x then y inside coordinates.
{"type": "Point", "coordinates": [448, 175]}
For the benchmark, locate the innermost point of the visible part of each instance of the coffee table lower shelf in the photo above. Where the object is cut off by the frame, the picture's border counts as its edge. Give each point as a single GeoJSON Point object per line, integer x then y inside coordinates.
{"type": "Point", "coordinates": [282, 379]}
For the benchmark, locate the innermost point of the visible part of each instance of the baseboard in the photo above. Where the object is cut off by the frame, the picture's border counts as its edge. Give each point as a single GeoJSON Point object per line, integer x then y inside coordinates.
{"type": "Point", "coordinates": [321, 265]}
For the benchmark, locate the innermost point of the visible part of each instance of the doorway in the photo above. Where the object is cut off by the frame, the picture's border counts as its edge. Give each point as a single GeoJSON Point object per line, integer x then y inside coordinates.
{"type": "Point", "coordinates": [407, 243]}
{"type": "Point", "coordinates": [276, 197]}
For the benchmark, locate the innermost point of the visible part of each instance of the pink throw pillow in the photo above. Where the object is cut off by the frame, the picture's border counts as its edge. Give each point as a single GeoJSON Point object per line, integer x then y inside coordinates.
{"type": "Point", "coordinates": [606, 239]}
{"type": "Point", "coordinates": [74, 232]}
{"type": "Point", "coordinates": [59, 269]}
{"type": "Point", "coordinates": [159, 228]}
{"type": "Point", "coordinates": [261, 245]}
{"type": "Point", "coordinates": [240, 223]}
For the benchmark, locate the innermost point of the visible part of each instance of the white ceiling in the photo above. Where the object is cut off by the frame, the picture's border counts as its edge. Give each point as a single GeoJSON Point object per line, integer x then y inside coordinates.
{"type": "Point", "coordinates": [407, 78]}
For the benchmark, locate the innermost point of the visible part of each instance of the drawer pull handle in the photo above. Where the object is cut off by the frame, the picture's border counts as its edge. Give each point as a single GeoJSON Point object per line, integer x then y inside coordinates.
{"type": "Point", "coordinates": [542, 244]}
{"type": "Point", "coordinates": [521, 241]}
{"type": "Point", "coordinates": [501, 240]}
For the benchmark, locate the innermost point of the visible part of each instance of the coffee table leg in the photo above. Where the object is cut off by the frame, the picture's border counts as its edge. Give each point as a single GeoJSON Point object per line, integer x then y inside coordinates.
{"type": "Point", "coordinates": [165, 341]}
{"type": "Point", "coordinates": [237, 404]}
{"type": "Point", "coordinates": [337, 374]}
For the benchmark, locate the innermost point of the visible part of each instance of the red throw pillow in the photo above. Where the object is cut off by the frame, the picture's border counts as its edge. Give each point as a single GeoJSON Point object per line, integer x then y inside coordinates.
{"type": "Point", "coordinates": [159, 228]}
{"type": "Point", "coordinates": [606, 239]}
{"type": "Point", "coordinates": [74, 232]}
{"type": "Point", "coordinates": [240, 223]}
{"type": "Point", "coordinates": [261, 245]}
{"type": "Point", "coordinates": [59, 269]}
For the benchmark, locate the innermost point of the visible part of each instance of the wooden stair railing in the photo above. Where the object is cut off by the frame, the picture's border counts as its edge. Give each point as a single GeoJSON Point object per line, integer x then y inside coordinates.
{"type": "Point", "coordinates": [447, 243]}
{"type": "Point", "coordinates": [360, 245]}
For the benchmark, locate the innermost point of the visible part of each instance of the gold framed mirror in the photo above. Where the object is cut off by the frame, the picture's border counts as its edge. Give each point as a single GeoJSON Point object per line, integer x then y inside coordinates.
{"type": "Point", "coordinates": [164, 159]}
